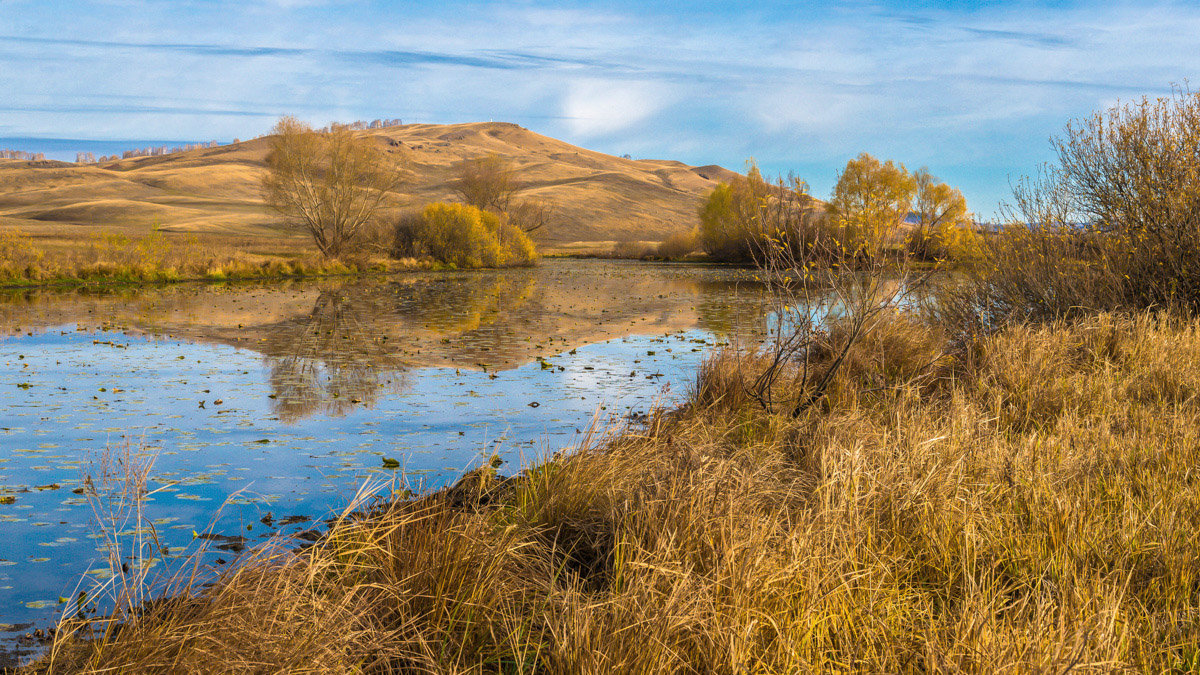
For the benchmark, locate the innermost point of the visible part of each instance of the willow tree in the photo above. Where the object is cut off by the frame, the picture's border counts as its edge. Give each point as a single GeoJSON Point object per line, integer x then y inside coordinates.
{"type": "Point", "coordinates": [332, 184]}
{"type": "Point", "coordinates": [870, 201]}
{"type": "Point", "coordinates": [943, 227]}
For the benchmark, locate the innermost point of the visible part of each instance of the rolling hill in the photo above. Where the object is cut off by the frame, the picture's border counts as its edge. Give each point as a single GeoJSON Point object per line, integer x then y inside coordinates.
{"type": "Point", "coordinates": [213, 192]}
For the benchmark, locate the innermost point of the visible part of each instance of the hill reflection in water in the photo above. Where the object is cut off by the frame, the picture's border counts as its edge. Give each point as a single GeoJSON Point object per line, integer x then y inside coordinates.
{"type": "Point", "coordinates": [337, 344]}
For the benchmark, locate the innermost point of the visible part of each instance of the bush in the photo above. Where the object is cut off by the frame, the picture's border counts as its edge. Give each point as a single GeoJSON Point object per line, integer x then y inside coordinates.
{"type": "Point", "coordinates": [679, 245]}
{"type": "Point", "coordinates": [936, 244]}
{"type": "Point", "coordinates": [1113, 225]}
{"type": "Point", "coordinates": [676, 247]}
{"type": "Point", "coordinates": [742, 219]}
{"type": "Point", "coordinates": [463, 236]}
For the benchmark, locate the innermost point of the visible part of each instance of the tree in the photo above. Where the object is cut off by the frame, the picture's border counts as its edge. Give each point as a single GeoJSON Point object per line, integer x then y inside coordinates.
{"type": "Point", "coordinates": [490, 183]}
{"type": "Point", "coordinates": [487, 183]}
{"type": "Point", "coordinates": [330, 183]}
{"type": "Point", "coordinates": [530, 215]}
{"type": "Point", "coordinates": [943, 226]}
{"type": "Point", "coordinates": [742, 219]}
{"type": "Point", "coordinates": [870, 201]}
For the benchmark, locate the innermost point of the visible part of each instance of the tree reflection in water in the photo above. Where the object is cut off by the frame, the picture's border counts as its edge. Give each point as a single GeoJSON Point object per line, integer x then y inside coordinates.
{"type": "Point", "coordinates": [333, 359]}
{"type": "Point", "coordinates": [360, 339]}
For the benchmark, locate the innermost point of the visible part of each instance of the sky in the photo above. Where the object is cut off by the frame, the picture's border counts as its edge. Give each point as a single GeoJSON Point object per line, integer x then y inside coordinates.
{"type": "Point", "coordinates": [972, 90]}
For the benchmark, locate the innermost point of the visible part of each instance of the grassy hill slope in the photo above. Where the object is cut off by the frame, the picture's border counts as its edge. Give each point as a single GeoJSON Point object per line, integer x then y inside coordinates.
{"type": "Point", "coordinates": [213, 192]}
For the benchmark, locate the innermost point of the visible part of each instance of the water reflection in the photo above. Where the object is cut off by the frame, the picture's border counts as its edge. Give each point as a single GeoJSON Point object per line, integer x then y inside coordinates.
{"type": "Point", "coordinates": [330, 360]}
{"type": "Point", "coordinates": [308, 385]}
{"type": "Point", "coordinates": [331, 346]}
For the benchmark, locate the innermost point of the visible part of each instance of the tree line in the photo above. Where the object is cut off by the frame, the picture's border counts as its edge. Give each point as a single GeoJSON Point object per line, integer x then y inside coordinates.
{"type": "Point", "coordinates": [877, 208]}
{"type": "Point", "coordinates": [20, 154]}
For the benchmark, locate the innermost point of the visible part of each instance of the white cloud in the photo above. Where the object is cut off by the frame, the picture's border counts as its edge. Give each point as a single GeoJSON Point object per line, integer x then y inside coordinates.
{"type": "Point", "coordinates": [599, 107]}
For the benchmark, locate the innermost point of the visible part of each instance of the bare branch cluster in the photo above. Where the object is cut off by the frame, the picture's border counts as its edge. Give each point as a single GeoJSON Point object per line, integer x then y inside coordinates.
{"type": "Point", "coordinates": [332, 184]}
{"type": "Point", "coordinates": [819, 312]}
{"type": "Point", "coordinates": [490, 183]}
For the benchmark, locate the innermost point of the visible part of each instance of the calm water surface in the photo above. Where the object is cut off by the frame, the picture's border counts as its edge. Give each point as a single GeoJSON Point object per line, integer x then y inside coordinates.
{"type": "Point", "coordinates": [283, 399]}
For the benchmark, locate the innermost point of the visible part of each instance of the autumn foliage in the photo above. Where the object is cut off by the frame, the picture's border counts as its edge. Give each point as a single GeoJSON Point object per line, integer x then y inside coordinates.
{"type": "Point", "coordinates": [333, 184]}
{"type": "Point", "coordinates": [463, 236]}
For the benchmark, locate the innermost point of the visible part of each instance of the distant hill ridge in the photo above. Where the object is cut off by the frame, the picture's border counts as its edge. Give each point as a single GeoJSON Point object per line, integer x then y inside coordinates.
{"type": "Point", "coordinates": [214, 190]}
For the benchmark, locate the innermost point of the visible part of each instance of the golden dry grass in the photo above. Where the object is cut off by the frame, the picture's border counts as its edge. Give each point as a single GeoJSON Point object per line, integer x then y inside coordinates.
{"type": "Point", "coordinates": [107, 257]}
{"type": "Point", "coordinates": [214, 192]}
{"type": "Point", "coordinates": [1027, 504]}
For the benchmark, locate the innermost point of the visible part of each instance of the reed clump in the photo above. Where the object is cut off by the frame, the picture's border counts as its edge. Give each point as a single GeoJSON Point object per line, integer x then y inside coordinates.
{"type": "Point", "coordinates": [1024, 501]}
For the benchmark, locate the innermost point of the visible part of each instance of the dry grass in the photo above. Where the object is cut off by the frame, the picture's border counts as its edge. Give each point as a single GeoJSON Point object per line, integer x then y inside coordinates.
{"type": "Point", "coordinates": [678, 246]}
{"type": "Point", "coordinates": [215, 191]}
{"type": "Point", "coordinates": [1023, 503]}
{"type": "Point", "coordinates": [156, 257]}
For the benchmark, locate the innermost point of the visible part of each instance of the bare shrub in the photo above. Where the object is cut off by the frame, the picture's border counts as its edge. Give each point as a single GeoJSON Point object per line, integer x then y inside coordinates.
{"type": "Point", "coordinates": [487, 183]}
{"type": "Point", "coordinates": [1113, 224]}
{"type": "Point", "coordinates": [632, 250]}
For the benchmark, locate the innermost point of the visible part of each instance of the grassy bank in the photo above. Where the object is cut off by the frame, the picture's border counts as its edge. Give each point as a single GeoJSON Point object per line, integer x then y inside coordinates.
{"type": "Point", "coordinates": [1026, 503]}
{"type": "Point", "coordinates": [162, 258]}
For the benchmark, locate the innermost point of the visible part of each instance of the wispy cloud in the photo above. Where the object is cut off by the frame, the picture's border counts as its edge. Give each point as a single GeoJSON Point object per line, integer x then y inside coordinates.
{"type": "Point", "coordinates": [925, 83]}
{"type": "Point", "coordinates": [599, 107]}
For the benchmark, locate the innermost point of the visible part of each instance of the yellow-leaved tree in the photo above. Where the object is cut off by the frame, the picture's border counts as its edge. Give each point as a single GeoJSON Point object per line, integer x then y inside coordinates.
{"type": "Point", "coordinates": [731, 218]}
{"type": "Point", "coordinates": [749, 217]}
{"type": "Point", "coordinates": [870, 201]}
{"type": "Point", "coordinates": [943, 228]}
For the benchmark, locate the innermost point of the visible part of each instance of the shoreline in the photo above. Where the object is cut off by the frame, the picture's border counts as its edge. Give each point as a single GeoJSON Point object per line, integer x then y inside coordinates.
{"type": "Point", "coordinates": [737, 538]}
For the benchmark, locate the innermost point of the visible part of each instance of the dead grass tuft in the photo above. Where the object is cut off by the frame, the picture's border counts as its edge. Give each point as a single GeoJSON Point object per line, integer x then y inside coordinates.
{"type": "Point", "coordinates": [1028, 509]}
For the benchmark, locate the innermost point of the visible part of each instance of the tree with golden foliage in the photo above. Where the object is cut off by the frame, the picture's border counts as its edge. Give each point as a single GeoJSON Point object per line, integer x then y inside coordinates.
{"type": "Point", "coordinates": [943, 228]}
{"type": "Point", "coordinates": [331, 183]}
{"type": "Point", "coordinates": [870, 201]}
{"type": "Point", "coordinates": [741, 219]}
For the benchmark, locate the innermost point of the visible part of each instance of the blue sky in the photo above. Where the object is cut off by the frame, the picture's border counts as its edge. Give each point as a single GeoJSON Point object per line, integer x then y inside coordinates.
{"type": "Point", "coordinates": [971, 90]}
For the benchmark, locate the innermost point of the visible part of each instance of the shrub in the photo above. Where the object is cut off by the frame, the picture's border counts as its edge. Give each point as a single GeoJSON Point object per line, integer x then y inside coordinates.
{"type": "Point", "coordinates": [679, 245]}
{"type": "Point", "coordinates": [463, 236]}
{"type": "Point", "coordinates": [1114, 224]}
{"type": "Point", "coordinates": [630, 250]}
{"type": "Point", "coordinates": [742, 218]}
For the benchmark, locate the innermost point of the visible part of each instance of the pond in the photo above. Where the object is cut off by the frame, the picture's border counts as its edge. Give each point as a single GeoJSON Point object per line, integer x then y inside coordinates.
{"type": "Point", "coordinates": [270, 404]}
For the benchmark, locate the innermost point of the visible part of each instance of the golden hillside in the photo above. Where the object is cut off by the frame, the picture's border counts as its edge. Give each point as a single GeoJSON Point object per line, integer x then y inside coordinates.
{"type": "Point", "coordinates": [213, 192]}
